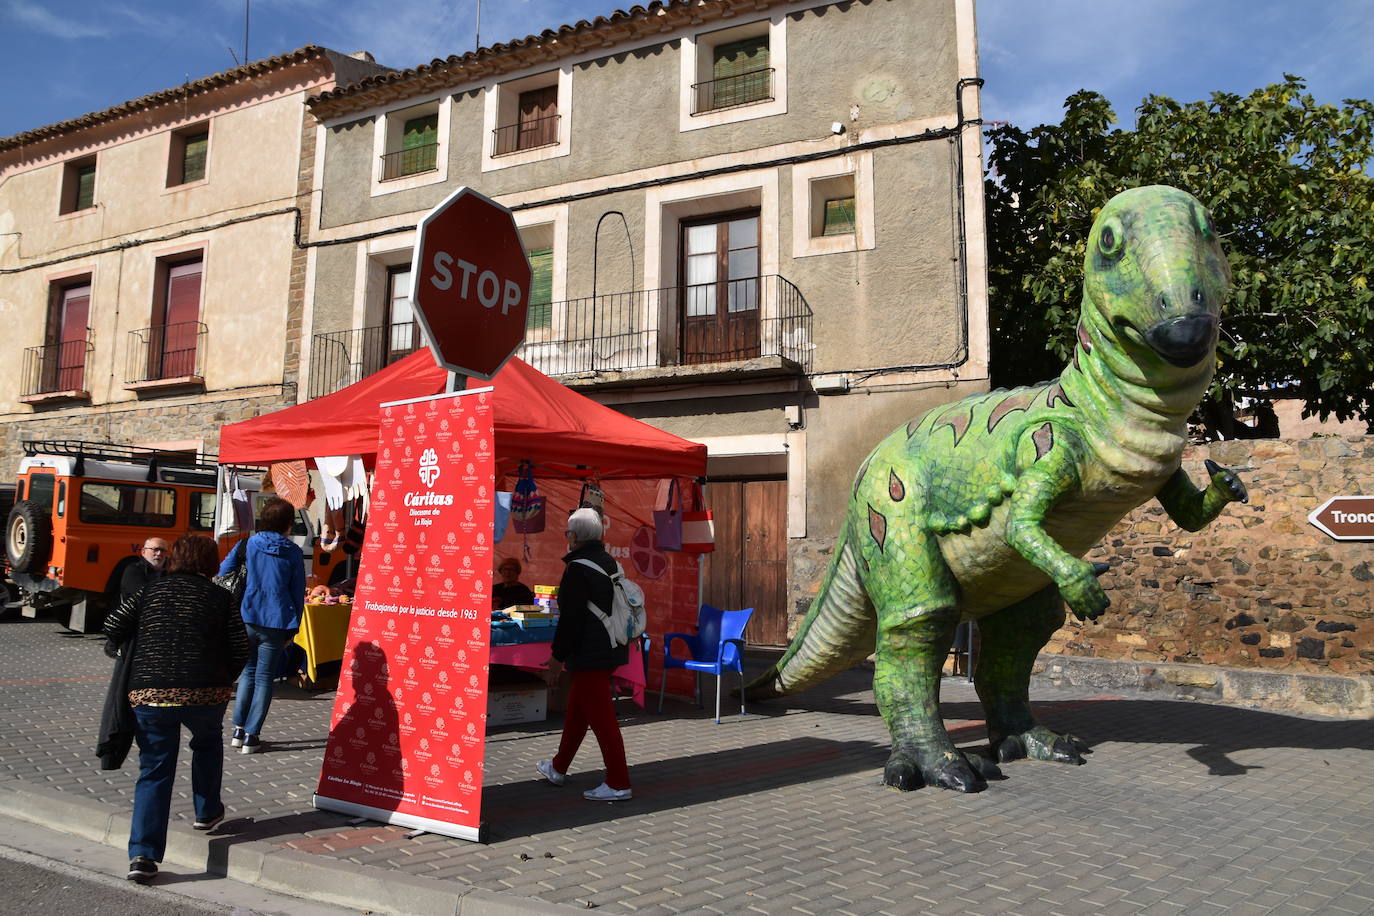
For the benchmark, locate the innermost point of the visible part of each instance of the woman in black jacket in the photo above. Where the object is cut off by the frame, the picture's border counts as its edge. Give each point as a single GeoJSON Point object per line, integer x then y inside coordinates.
{"type": "Point", "coordinates": [580, 644]}
{"type": "Point", "coordinates": [190, 648]}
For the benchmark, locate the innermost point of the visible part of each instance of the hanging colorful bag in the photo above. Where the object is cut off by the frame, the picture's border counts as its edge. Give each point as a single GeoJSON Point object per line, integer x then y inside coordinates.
{"type": "Point", "coordinates": [698, 529]}
{"type": "Point", "coordinates": [668, 521]}
{"type": "Point", "coordinates": [592, 497]}
{"type": "Point", "coordinates": [526, 506]}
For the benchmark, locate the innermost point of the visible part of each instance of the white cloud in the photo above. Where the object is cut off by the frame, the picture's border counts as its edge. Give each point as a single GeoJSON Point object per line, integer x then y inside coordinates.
{"type": "Point", "coordinates": [40, 20]}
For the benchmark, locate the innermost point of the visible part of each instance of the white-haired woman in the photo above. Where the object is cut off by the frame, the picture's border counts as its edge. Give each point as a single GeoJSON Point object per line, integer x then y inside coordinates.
{"type": "Point", "coordinates": [581, 645]}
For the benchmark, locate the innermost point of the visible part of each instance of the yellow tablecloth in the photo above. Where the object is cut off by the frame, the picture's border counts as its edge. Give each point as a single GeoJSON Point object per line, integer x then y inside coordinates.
{"type": "Point", "coordinates": [324, 627]}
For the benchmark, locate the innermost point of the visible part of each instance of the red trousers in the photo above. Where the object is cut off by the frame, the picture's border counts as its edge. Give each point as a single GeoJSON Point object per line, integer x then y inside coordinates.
{"type": "Point", "coordinates": [590, 706]}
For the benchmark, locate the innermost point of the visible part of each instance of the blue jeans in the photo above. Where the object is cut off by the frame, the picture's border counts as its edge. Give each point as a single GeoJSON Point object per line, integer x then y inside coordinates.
{"type": "Point", "coordinates": [158, 732]}
{"type": "Point", "coordinates": [255, 683]}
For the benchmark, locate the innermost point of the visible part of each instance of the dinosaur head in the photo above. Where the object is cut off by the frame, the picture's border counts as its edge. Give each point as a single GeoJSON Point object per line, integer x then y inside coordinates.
{"type": "Point", "coordinates": [1155, 278]}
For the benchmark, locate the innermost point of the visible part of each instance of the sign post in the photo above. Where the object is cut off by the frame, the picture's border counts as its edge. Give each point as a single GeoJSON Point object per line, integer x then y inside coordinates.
{"type": "Point", "coordinates": [470, 284]}
{"type": "Point", "coordinates": [1345, 518]}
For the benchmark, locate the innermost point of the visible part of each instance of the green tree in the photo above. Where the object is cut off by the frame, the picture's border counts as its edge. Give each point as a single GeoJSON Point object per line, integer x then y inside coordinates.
{"type": "Point", "coordinates": [1286, 180]}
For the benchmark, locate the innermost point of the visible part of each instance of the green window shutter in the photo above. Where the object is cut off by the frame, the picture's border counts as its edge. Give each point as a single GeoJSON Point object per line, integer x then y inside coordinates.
{"type": "Point", "coordinates": [193, 157]}
{"type": "Point", "coordinates": [839, 217]}
{"type": "Point", "coordinates": [418, 139]}
{"type": "Point", "coordinates": [735, 72]}
{"type": "Point", "coordinates": [85, 187]}
{"type": "Point", "coordinates": [541, 290]}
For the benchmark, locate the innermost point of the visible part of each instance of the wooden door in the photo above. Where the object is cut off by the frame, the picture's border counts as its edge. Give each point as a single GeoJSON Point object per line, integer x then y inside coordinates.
{"type": "Point", "coordinates": [402, 332]}
{"type": "Point", "coordinates": [748, 568]}
{"type": "Point", "coordinates": [69, 364]}
{"type": "Point", "coordinates": [538, 118]}
{"type": "Point", "coordinates": [719, 266]}
{"type": "Point", "coordinates": [180, 322]}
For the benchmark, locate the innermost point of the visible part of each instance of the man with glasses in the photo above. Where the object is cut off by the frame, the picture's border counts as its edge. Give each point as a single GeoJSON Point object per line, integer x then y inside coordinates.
{"type": "Point", "coordinates": [146, 569]}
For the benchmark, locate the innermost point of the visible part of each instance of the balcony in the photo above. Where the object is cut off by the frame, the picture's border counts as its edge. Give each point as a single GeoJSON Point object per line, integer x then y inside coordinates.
{"type": "Point", "coordinates": [166, 357]}
{"type": "Point", "coordinates": [339, 359]}
{"type": "Point", "coordinates": [755, 326]}
{"type": "Point", "coordinates": [411, 161]}
{"type": "Point", "coordinates": [56, 372]}
{"type": "Point", "coordinates": [531, 134]}
{"type": "Point", "coordinates": [763, 329]}
{"type": "Point", "coordinates": [733, 91]}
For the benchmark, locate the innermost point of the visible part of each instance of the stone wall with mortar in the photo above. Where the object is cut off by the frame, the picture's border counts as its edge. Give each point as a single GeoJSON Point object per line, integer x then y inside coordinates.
{"type": "Point", "coordinates": [1260, 587]}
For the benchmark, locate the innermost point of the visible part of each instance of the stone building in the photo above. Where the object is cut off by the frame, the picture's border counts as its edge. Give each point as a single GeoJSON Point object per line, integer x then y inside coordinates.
{"type": "Point", "coordinates": [150, 287]}
{"type": "Point", "coordinates": [755, 224]}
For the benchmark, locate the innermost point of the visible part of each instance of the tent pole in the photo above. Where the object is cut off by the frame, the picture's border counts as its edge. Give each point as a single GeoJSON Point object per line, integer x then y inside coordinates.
{"type": "Point", "coordinates": [456, 382]}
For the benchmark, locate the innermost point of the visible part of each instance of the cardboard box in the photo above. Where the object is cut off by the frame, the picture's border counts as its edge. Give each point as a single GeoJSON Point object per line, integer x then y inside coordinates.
{"type": "Point", "coordinates": [509, 705]}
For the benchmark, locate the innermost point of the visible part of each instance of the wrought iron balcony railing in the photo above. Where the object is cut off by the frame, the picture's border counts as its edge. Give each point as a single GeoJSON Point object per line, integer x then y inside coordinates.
{"type": "Point", "coordinates": [411, 161]}
{"type": "Point", "coordinates": [677, 325]}
{"type": "Point", "coordinates": [733, 91]}
{"type": "Point", "coordinates": [645, 329]}
{"type": "Point", "coordinates": [532, 134]}
{"type": "Point", "coordinates": [57, 368]}
{"type": "Point", "coordinates": [166, 352]}
{"type": "Point", "coordinates": [339, 359]}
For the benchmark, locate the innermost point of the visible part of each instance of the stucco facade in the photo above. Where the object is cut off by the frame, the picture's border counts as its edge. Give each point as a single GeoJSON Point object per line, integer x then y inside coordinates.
{"type": "Point", "coordinates": [874, 101]}
{"type": "Point", "coordinates": [127, 367]}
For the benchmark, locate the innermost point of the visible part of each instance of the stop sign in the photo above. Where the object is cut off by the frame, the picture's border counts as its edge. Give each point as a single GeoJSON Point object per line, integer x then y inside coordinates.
{"type": "Point", "coordinates": [470, 283]}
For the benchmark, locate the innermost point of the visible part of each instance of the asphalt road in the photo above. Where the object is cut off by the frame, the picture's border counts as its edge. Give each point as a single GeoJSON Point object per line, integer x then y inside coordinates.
{"type": "Point", "coordinates": [58, 874]}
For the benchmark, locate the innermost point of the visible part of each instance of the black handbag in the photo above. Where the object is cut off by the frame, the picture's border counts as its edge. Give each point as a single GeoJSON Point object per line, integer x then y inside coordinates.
{"type": "Point", "coordinates": [235, 581]}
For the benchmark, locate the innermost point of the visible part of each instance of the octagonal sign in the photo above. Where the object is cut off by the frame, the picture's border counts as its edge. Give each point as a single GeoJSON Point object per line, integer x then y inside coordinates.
{"type": "Point", "coordinates": [470, 283]}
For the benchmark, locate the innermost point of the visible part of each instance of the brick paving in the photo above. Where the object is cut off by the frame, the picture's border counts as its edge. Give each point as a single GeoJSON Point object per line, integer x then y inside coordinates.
{"type": "Point", "coordinates": [1183, 807]}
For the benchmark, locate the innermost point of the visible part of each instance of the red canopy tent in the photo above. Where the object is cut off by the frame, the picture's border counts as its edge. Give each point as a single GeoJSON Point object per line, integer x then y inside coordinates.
{"type": "Point", "coordinates": [563, 433]}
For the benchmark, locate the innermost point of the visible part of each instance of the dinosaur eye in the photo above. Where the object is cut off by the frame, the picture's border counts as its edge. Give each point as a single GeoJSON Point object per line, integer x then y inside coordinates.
{"type": "Point", "coordinates": [1110, 239]}
{"type": "Point", "coordinates": [1204, 223]}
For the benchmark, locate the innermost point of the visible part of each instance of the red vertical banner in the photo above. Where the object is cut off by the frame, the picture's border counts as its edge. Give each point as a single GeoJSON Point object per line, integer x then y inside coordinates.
{"type": "Point", "coordinates": [407, 740]}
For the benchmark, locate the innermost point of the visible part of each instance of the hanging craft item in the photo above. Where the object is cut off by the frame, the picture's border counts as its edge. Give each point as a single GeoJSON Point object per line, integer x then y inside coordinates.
{"type": "Point", "coordinates": [698, 529]}
{"type": "Point", "coordinates": [593, 497]}
{"type": "Point", "coordinates": [668, 521]}
{"type": "Point", "coordinates": [291, 480]}
{"type": "Point", "coordinates": [526, 506]}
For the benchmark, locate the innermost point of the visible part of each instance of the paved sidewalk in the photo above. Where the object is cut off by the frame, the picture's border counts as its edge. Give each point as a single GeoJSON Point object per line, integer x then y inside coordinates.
{"type": "Point", "coordinates": [1182, 808]}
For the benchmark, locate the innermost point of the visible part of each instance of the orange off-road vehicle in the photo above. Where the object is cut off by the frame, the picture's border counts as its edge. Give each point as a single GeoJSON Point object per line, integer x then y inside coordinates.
{"type": "Point", "coordinates": [81, 513]}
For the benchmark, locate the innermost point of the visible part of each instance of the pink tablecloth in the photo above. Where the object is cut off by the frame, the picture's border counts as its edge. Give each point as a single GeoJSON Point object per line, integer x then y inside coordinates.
{"type": "Point", "coordinates": [533, 656]}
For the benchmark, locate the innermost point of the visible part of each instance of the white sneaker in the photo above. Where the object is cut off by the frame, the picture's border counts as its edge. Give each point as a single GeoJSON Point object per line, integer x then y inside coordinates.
{"type": "Point", "coordinates": [545, 768]}
{"type": "Point", "coordinates": [604, 792]}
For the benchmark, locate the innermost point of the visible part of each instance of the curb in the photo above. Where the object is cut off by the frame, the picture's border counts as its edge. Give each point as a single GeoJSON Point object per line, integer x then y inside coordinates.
{"type": "Point", "coordinates": [1329, 695]}
{"type": "Point", "coordinates": [273, 868]}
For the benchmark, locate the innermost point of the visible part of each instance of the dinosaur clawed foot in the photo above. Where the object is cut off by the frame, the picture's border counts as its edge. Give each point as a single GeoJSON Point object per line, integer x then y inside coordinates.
{"type": "Point", "coordinates": [964, 771]}
{"type": "Point", "coordinates": [1039, 743]}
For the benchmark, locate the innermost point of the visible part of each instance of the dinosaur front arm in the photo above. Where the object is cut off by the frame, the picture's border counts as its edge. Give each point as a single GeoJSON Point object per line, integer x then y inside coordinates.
{"type": "Point", "coordinates": [1193, 509]}
{"type": "Point", "coordinates": [1050, 473]}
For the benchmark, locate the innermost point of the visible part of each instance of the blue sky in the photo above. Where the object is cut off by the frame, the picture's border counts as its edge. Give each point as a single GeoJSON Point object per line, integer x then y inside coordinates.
{"type": "Point", "coordinates": [63, 58]}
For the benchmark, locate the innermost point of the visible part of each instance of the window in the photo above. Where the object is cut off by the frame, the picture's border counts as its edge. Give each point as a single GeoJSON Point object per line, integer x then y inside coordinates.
{"type": "Point", "coordinates": [173, 340]}
{"type": "Point", "coordinates": [540, 316]}
{"type": "Point", "coordinates": [78, 186]}
{"type": "Point", "coordinates": [413, 144]}
{"type": "Point", "coordinates": [398, 324]}
{"type": "Point", "coordinates": [41, 490]}
{"type": "Point", "coordinates": [64, 352]}
{"type": "Point", "coordinates": [128, 504]}
{"type": "Point", "coordinates": [187, 153]}
{"type": "Point", "coordinates": [833, 205]}
{"type": "Point", "coordinates": [527, 119]}
{"type": "Point", "coordinates": [720, 295]}
{"type": "Point", "coordinates": [202, 511]}
{"type": "Point", "coordinates": [734, 74]}
{"type": "Point", "coordinates": [740, 75]}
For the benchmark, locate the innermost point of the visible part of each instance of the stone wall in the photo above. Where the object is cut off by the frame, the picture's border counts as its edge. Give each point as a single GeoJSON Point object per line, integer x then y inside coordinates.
{"type": "Point", "coordinates": [1259, 588]}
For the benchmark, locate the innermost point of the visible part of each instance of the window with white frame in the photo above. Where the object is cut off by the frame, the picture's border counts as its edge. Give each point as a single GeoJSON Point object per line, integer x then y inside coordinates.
{"type": "Point", "coordinates": [832, 203]}
{"type": "Point", "coordinates": [411, 146]}
{"type": "Point", "coordinates": [527, 119]}
{"type": "Point", "coordinates": [734, 74]}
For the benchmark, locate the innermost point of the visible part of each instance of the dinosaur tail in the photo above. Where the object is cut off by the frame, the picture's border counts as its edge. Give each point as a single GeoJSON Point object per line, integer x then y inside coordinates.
{"type": "Point", "coordinates": [837, 633]}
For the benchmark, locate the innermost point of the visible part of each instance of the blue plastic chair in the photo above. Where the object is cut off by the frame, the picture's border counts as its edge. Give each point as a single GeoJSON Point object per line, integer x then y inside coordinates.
{"type": "Point", "coordinates": [717, 645]}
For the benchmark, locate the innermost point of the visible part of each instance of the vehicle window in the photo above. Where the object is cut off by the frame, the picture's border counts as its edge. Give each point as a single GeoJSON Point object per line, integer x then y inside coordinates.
{"type": "Point", "coordinates": [297, 530]}
{"type": "Point", "coordinates": [41, 487]}
{"type": "Point", "coordinates": [62, 499]}
{"type": "Point", "coordinates": [202, 511]}
{"type": "Point", "coordinates": [128, 504]}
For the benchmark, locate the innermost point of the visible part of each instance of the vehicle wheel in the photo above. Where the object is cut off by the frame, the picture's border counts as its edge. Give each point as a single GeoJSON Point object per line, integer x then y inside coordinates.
{"type": "Point", "coordinates": [28, 536]}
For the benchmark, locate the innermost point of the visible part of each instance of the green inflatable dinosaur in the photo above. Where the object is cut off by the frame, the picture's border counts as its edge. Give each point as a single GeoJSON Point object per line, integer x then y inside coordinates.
{"type": "Point", "coordinates": [982, 509]}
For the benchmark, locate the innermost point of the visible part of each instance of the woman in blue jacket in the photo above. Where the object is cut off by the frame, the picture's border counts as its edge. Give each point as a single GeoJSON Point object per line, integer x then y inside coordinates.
{"type": "Point", "coordinates": [272, 604]}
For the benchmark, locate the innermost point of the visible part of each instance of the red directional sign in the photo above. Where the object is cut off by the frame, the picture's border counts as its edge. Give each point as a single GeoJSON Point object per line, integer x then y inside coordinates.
{"type": "Point", "coordinates": [1346, 518]}
{"type": "Point", "coordinates": [470, 283]}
